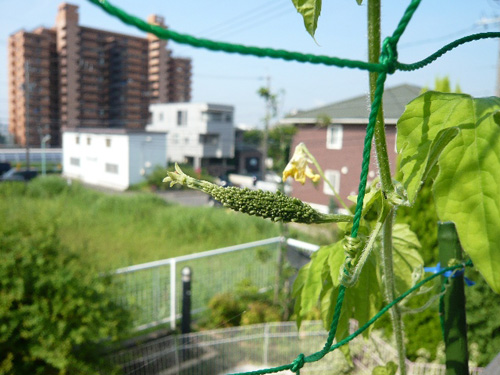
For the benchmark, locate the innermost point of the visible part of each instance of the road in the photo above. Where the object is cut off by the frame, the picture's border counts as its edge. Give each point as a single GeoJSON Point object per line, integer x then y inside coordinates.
{"type": "Point", "coordinates": [184, 197]}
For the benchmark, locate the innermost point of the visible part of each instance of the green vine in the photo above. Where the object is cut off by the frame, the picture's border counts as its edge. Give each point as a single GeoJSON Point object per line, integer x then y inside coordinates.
{"type": "Point", "coordinates": [453, 133]}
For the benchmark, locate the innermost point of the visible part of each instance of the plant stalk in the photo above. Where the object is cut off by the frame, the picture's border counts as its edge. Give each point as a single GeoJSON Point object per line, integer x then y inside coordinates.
{"type": "Point", "coordinates": [373, 57]}
{"type": "Point", "coordinates": [389, 286]}
{"type": "Point", "coordinates": [374, 45]}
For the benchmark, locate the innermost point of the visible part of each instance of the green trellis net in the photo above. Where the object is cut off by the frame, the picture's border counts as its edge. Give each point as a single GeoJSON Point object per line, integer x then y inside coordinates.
{"type": "Point", "coordinates": [388, 64]}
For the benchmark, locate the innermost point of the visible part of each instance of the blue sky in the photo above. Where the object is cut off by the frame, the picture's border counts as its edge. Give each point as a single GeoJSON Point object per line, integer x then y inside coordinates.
{"type": "Point", "coordinates": [232, 79]}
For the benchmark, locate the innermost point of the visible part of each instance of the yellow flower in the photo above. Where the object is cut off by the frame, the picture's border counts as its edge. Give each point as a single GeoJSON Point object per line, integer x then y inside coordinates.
{"type": "Point", "coordinates": [298, 166]}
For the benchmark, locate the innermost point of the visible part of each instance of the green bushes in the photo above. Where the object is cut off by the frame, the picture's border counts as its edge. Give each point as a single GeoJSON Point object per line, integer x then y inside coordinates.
{"type": "Point", "coordinates": [47, 187]}
{"type": "Point", "coordinates": [246, 306]}
{"type": "Point", "coordinates": [54, 311]}
{"type": "Point", "coordinates": [122, 229]}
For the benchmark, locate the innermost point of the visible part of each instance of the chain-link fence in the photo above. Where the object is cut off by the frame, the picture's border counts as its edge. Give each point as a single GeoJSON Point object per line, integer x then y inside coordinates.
{"type": "Point", "coordinates": [154, 290]}
{"type": "Point", "coordinates": [249, 348]}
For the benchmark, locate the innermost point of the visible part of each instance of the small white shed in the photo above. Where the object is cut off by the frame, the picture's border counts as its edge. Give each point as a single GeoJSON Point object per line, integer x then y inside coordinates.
{"type": "Point", "coordinates": [112, 158]}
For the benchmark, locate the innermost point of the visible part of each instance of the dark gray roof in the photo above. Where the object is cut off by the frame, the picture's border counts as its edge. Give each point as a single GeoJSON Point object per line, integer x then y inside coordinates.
{"type": "Point", "coordinates": [395, 99]}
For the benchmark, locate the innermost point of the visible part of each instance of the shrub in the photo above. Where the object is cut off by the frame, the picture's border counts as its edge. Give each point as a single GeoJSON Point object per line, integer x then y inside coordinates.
{"type": "Point", "coordinates": [483, 328]}
{"type": "Point", "coordinates": [12, 189]}
{"type": "Point", "coordinates": [47, 187]}
{"type": "Point", "coordinates": [55, 314]}
{"type": "Point", "coordinates": [260, 312]}
{"type": "Point", "coordinates": [225, 311]}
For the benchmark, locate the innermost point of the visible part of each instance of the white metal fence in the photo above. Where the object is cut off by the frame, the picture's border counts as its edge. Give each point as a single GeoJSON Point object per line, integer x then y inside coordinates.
{"type": "Point", "coordinates": [259, 346]}
{"type": "Point", "coordinates": [154, 290]}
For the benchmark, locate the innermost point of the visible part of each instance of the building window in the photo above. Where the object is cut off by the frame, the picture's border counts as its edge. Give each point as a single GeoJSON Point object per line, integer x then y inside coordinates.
{"type": "Point", "coordinates": [88, 141]}
{"type": "Point", "coordinates": [334, 178]}
{"type": "Point", "coordinates": [209, 139]}
{"type": "Point", "coordinates": [214, 116]}
{"type": "Point", "coordinates": [74, 161]}
{"type": "Point", "coordinates": [77, 140]}
{"type": "Point", "coordinates": [175, 138]}
{"type": "Point", "coordinates": [112, 168]}
{"type": "Point", "coordinates": [334, 137]}
{"type": "Point", "coordinates": [181, 118]}
{"type": "Point", "coordinates": [160, 116]}
{"type": "Point", "coordinates": [108, 142]}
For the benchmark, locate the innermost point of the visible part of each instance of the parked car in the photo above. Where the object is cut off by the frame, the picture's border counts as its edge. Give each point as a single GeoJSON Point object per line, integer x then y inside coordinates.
{"type": "Point", "coordinates": [19, 175]}
{"type": "Point", "coordinates": [4, 167]}
{"type": "Point", "coordinates": [221, 181]}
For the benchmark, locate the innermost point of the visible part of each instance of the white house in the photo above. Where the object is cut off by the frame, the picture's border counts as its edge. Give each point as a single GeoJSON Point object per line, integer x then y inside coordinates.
{"type": "Point", "coordinates": [200, 134]}
{"type": "Point", "coordinates": [113, 158]}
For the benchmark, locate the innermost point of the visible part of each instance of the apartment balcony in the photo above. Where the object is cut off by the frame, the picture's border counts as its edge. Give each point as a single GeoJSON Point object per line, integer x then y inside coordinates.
{"type": "Point", "coordinates": [88, 80]}
{"type": "Point", "coordinates": [133, 100]}
{"type": "Point", "coordinates": [153, 77]}
{"type": "Point", "coordinates": [85, 89]}
{"type": "Point", "coordinates": [137, 68]}
{"type": "Point", "coordinates": [136, 43]}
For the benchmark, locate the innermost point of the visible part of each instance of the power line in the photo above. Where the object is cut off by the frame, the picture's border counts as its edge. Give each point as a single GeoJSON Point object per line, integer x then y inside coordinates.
{"type": "Point", "coordinates": [271, 16]}
{"type": "Point", "coordinates": [213, 76]}
{"type": "Point", "coordinates": [242, 17]}
{"type": "Point", "coordinates": [438, 39]}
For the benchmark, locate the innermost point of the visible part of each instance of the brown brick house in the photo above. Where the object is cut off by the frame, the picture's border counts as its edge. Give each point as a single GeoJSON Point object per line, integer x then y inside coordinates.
{"type": "Point", "coordinates": [335, 133]}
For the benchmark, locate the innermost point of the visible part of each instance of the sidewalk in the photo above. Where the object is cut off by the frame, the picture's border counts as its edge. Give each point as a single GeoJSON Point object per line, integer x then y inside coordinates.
{"type": "Point", "coordinates": [184, 197]}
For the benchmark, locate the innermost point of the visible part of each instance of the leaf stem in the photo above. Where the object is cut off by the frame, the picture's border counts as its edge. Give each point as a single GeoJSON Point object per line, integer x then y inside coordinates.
{"type": "Point", "coordinates": [373, 56]}
{"type": "Point", "coordinates": [389, 286]}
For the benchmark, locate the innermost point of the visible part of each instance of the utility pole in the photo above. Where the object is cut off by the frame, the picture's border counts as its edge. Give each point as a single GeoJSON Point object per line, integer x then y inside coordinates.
{"type": "Point", "coordinates": [266, 128]}
{"type": "Point", "coordinates": [27, 116]}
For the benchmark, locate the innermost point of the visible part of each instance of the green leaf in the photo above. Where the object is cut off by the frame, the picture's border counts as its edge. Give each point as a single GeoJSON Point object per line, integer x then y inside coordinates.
{"type": "Point", "coordinates": [309, 283]}
{"type": "Point", "coordinates": [419, 134]}
{"type": "Point", "coordinates": [335, 262]}
{"type": "Point", "coordinates": [366, 294]}
{"type": "Point", "coordinates": [408, 263]}
{"type": "Point", "coordinates": [361, 301]}
{"type": "Point", "coordinates": [389, 369]}
{"type": "Point", "coordinates": [310, 11]}
{"type": "Point", "coordinates": [467, 187]}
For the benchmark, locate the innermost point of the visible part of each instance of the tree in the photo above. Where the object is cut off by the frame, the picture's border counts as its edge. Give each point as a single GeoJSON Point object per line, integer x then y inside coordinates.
{"type": "Point", "coordinates": [271, 112]}
{"type": "Point", "coordinates": [56, 313]}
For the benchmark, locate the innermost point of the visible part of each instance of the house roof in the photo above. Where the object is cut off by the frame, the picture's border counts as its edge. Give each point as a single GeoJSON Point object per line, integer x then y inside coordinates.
{"type": "Point", "coordinates": [356, 110]}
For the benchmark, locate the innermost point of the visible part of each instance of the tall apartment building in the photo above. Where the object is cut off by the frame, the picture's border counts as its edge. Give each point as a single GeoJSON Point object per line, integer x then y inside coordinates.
{"type": "Point", "coordinates": [80, 77]}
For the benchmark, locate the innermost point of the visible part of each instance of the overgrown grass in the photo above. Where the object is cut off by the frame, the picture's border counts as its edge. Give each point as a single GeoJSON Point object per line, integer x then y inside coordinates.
{"type": "Point", "coordinates": [124, 229]}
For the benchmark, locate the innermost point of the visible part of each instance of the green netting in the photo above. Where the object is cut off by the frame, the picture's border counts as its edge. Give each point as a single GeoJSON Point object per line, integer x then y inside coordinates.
{"type": "Point", "coordinates": [388, 64]}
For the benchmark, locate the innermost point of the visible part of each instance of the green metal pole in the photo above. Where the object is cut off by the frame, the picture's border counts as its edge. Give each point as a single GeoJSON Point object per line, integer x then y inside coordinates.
{"type": "Point", "coordinates": [453, 303]}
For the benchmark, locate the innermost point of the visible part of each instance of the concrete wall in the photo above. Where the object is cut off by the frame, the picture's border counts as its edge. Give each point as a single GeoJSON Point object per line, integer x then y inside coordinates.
{"type": "Point", "coordinates": [184, 139]}
{"type": "Point", "coordinates": [111, 160]}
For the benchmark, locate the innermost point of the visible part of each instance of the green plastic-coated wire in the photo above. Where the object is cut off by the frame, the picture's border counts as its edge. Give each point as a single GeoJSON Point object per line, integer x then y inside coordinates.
{"type": "Point", "coordinates": [445, 49]}
{"type": "Point", "coordinates": [370, 129]}
{"type": "Point", "coordinates": [233, 48]}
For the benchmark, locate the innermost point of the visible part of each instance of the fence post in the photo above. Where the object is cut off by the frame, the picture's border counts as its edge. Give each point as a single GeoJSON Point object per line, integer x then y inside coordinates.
{"type": "Point", "coordinates": [172, 293]}
{"type": "Point", "coordinates": [186, 300]}
{"type": "Point", "coordinates": [452, 304]}
{"type": "Point", "coordinates": [266, 345]}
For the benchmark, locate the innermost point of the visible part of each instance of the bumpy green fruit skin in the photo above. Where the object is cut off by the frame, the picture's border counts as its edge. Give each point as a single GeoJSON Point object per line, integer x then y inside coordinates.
{"type": "Point", "coordinates": [274, 206]}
